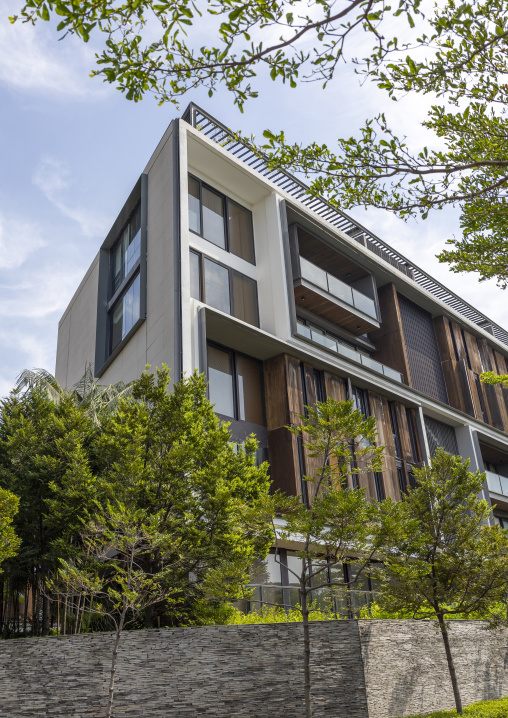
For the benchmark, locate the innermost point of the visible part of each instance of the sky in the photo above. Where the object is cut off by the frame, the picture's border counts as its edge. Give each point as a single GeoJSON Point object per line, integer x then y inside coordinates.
{"type": "Point", "coordinates": [72, 147]}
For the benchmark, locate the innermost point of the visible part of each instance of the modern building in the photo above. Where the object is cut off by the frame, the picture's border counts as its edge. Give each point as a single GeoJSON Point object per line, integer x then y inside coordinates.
{"type": "Point", "coordinates": [217, 263]}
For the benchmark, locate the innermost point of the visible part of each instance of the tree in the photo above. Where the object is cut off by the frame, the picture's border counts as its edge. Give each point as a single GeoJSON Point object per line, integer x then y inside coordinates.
{"type": "Point", "coordinates": [181, 463]}
{"type": "Point", "coordinates": [9, 542]}
{"type": "Point", "coordinates": [109, 572]}
{"type": "Point", "coordinates": [464, 66]}
{"type": "Point", "coordinates": [441, 558]}
{"type": "Point", "coordinates": [335, 523]}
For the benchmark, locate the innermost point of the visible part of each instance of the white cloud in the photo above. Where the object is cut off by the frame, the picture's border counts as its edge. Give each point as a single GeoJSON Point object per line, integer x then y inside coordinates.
{"type": "Point", "coordinates": [32, 60]}
{"type": "Point", "coordinates": [19, 239]}
{"type": "Point", "coordinates": [53, 178]}
{"type": "Point", "coordinates": [43, 291]}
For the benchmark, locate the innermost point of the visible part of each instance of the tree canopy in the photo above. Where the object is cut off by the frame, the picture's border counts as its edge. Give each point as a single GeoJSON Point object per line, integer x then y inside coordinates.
{"type": "Point", "coordinates": [453, 52]}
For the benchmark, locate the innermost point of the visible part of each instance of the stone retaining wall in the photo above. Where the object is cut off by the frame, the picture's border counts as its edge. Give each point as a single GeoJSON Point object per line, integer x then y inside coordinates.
{"type": "Point", "coordinates": [360, 669]}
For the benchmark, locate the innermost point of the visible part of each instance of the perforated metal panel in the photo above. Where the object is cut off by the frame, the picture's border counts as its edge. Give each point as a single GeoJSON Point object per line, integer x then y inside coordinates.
{"type": "Point", "coordinates": [422, 350]}
{"type": "Point", "coordinates": [440, 435]}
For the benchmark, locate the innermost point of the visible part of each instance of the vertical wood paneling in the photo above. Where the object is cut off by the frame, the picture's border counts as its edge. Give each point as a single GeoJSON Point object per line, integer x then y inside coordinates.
{"type": "Point", "coordinates": [335, 387]}
{"type": "Point", "coordinates": [284, 401]}
{"type": "Point", "coordinates": [450, 365]}
{"type": "Point", "coordinates": [389, 338]}
{"type": "Point", "coordinates": [380, 410]}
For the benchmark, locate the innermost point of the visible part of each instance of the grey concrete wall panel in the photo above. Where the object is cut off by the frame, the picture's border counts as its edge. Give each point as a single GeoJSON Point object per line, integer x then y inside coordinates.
{"type": "Point", "coordinates": [360, 669]}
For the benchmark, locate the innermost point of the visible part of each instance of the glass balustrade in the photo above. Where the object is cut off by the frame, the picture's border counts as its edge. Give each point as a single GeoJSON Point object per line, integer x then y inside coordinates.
{"type": "Point", "coordinates": [317, 276]}
{"type": "Point", "coordinates": [322, 338]}
{"type": "Point", "coordinates": [497, 483]}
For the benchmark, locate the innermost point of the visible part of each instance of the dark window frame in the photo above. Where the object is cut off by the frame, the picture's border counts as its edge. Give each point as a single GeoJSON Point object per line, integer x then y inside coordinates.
{"type": "Point", "coordinates": [225, 204]}
{"type": "Point", "coordinates": [107, 300]}
{"type": "Point", "coordinates": [231, 273]}
{"type": "Point", "coordinates": [234, 363]}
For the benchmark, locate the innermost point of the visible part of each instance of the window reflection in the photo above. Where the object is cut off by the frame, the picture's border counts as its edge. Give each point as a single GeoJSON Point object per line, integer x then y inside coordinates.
{"type": "Point", "coordinates": [220, 381]}
{"type": "Point", "coordinates": [217, 286]}
{"type": "Point", "coordinates": [213, 217]}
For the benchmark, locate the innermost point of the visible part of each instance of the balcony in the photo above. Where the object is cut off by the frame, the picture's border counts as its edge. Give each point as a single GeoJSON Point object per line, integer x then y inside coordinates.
{"type": "Point", "coordinates": [497, 484]}
{"type": "Point", "coordinates": [329, 297]}
{"type": "Point", "coordinates": [323, 339]}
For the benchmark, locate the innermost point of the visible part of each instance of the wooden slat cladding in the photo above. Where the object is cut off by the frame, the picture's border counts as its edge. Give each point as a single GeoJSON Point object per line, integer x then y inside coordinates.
{"type": "Point", "coordinates": [312, 465]}
{"type": "Point", "coordinates": [389, 338]}
{"type": "Point", "coordinates": [335, 387]}
{"type": "Point", "coordinates": [463, 358]}
{"type": "Point", "coordinates": [284, 462]}
{"type": "Point", "coordinates": [284, 401]}
{"type": "Point", "coordinates": [379, 408]}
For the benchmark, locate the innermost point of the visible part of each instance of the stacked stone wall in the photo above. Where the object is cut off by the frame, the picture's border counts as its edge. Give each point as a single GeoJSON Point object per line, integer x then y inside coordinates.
{"type": "Point", "coordinates": [360, 669]}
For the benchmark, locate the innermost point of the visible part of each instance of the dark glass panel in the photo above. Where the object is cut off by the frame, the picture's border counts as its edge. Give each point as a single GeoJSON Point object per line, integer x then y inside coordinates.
{"type": "Point", "coordinates": [250, 390]}
{"type": "Point", "coordinates": [195, 278]}
{"type": "Point", "coordinates": [220, 381]}
{"type": "Point", "coordinates": [241, 240]}
{"type": "Point", "coordinates": [126, 313]}
{"type": "Point", "coordinates": [194, 206]}
{"type": "Point", "coordinates": [217, 286]}
{"type": "Point", "coordinates": [245, 299]}
{"type": "Point", "coordinates": [213, 217]}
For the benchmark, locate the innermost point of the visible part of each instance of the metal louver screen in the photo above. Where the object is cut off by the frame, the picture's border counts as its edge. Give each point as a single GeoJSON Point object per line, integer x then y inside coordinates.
{"type": "Point", "coordinates": [422, 350]}
{"type": "Point", "coordinates": [440, 435]}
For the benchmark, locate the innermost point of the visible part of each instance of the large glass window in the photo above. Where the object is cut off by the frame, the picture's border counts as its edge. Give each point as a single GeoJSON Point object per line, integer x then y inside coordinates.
{"type": "Point", "coordinates": [220, 220]}
{"type": "Point", "coordinates": [124, 309]}
{"type": "Point", "coordinates": [125, 313]}
{"type": "Point", "coordinates": [194, 206]}
{"type": "Point", "coordinates": [213, 217]}
{"type": "Point", "coordinates": [127, 250]}
{"type": "Point", "coordinates": [217, 286]}
{"type": "Point", "coordinates": [220, 381]}
{"type": "Point", "coordinates": [224, 288]}
{"type": "Point", "coordinates": [235, 385]}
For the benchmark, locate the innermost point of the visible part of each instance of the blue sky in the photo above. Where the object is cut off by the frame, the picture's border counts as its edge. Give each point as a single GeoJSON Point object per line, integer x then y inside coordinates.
{"type": "Point", "coordinates": [71, 149]}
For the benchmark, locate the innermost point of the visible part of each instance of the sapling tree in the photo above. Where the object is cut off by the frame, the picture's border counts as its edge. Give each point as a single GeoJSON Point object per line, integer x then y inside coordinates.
{"type": "Point", "coordinates": [441, 558]}
{"type": "Point", "coordinates": [108, 577]}
{"type": "Point", "coordinates": [334, 526]}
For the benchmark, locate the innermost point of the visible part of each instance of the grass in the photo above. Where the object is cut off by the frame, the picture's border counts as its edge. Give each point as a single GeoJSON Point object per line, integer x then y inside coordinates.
{"type": "Point", "coordinates": [483, 709]}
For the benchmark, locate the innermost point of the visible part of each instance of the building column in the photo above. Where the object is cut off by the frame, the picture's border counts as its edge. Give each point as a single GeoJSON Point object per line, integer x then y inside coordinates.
{"type": "Point", "coordinates": [469, 448]}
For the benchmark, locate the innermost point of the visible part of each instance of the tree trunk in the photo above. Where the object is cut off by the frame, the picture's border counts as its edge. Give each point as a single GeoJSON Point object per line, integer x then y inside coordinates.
{"type": "Point", "coordinates": [45, 615]}
{"type": "Point", "coordinates": [306, 653]}
{"type": "Point", "coordinates": [451, 666]}
{"type": "Point", "coordinates": [64, 628]}
{"type": "Point", "coordinates": [114, 656]}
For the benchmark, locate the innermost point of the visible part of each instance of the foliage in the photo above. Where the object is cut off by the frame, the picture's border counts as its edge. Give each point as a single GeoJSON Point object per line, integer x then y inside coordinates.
{"type": "Point", "coordinates": [454, 52]}
{"type": "Point", "coordinates": [333, 521]}
{"type": "Point", "coordinates": [441, 558]}
{"type": "Point", "coordinates": [490, 377]}
{"type": "Point", "coordinates": [9, 542]}
{"type": "Point", "coordinates": [278, 614]}
{"type": "Point", "coordinates": [148, 45]}
{"type": "Point", "coordinates": [165, 454]}
{"type": "Point", "coordinates": [109, 577]}
{"type": "Point", "coordinates": [482, 709]}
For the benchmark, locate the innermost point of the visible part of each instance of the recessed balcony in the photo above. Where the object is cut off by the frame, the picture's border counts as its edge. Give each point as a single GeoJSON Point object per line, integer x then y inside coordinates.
{"type": "Point", "coordinates": [327, 296]}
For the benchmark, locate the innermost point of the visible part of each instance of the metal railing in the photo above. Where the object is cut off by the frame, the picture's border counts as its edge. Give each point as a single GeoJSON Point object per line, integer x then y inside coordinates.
{"type": "Point", "coordinates": [216, 131]}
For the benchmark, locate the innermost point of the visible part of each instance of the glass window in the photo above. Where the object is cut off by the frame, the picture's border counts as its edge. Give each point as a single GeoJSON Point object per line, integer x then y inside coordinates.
{"type": "Point", "coordinates": [213, 217]}
{"type": "Point", "coordinates": [220, 381]}
{"type": "Point", "coordinates": [217, 286]}
{"type": "Point", "coordinates": [380, 488]}
{"type": "Point", "coordinates": [241, 240]}
{"type": "Point", "coordinates": [125, 313]}
{"type": "Point", "coordinates": [360, 401]}
{"type": "Point", "coordinates": [250, 390]}
{"type": "Point", "coordinates": [194, 208]}
{"type": "Point", "coordinates": [295, 566]}
{"type": "Point", "coordinates": [195, 276]}
{"type": "Point", "coordinates": [245, 299]}
{"type": "Point", "coordinates": [127, 250]}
